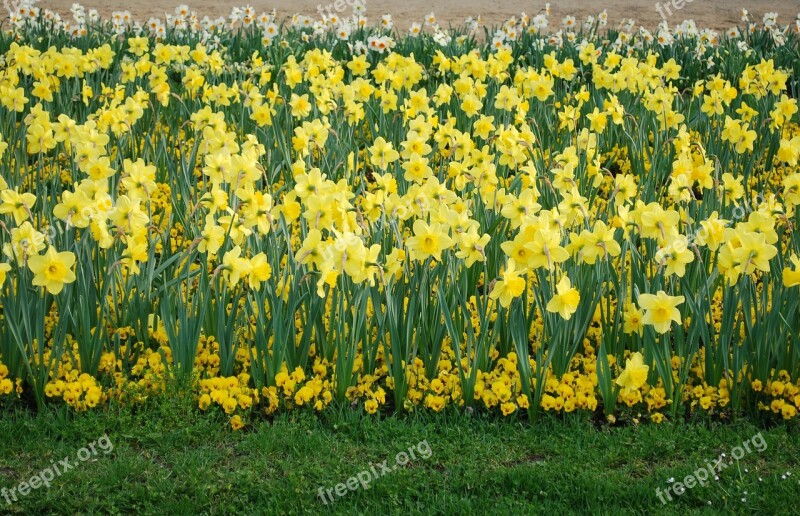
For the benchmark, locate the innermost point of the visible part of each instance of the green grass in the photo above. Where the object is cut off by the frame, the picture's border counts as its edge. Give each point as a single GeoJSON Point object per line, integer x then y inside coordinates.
{"type": "Point", "coordinates": [170, 459]}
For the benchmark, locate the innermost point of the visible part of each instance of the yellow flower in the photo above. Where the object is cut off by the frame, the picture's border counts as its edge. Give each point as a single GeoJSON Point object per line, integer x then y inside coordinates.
{"type": "Point", "coordinates": [260, 270]}
{"type": "Point", "coordinates": [4, 268]}
{"type": "Point", "coordinates": [303, 395]}
{"type": "Point", "coordinates": [6, 386]}
{"type": "Point", "coordinates": [229, 404]}
{"type": "Point", "coordinates": [234, 267]}
{"type": "Point", "coordinates": [545, 249]}
{"type": "Point", "coordinates": [633, 320]}
{"type": "Point", "coordinates": [565, 302]}
{"type": "Point", "coordinates": [52, 270]}
{"type": "Point", "coordinates": [428, 241]}
{"type": "Point", "coordinates": [754, 252]}
{"type": "Point", "coordinates": [204, 402]}
{"type": "Point", "coordinates": [382, 153]}
{"type": "Point", "coordinates": [508, 408]}
{"type": "Point", "coordinates": [635, 373]}
{"type": "Point", "coordinates": [471, 247]}
{"type": "Point", "coordinates": [791, 184]}
{"type": "Point", "coordinates": [371, 406]}
{"type": "Point", "coordinates": [739, 135]}
{"type": "Point", "coordinates": [417, 169]}
{"type": "Point", "coordinates": [600, 243]}
{"type": "Point", "coordinates": [548, 402]}
{"type": "Point", "coordinates": [598, 120]}
{"type": "Point", "coordinates": [711, 231]}
{"type": "Point", "coordinates": [509, 287]}
{"type": "Point", "coordinates": [300, 105]}
{"type": "Point", "coordinates": [471, 105]}
{"type": "Point", "coordinates": [791, 278]}
{"type": "Point", "coordinates": [675, 255]}
{"type": "Point", "coordinates": [436, 403]}
{"type": "Point", "coordinates": [17, 204]}
{"type": "Point", "coordinates": [237, 423]}
{"type": "Point", "coordinates": [661, 310]}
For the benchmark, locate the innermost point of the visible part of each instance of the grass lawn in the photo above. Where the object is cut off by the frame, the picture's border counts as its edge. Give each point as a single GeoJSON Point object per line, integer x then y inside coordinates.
{"type": "Point", "coordinates": [169, 459]}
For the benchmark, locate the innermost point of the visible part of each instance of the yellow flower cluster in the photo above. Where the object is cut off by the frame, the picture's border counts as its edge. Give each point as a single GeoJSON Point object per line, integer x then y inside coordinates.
{"type": "Point", "coordinates": [784, 395]}
{"type": "Point", "coordinates": [231, 394]}
{"type": "Point", "coordinates": [81, 391]}
{"type": "Point", "coordinates": [428, 223]}
{"type": "Point", "coordinates": [6, 383]}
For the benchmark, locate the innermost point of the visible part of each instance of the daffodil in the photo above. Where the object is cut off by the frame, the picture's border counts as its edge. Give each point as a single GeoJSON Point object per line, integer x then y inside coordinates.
{"type": "Point", "coordinates": [4, 268]}
{"type": "Point", "coordinates": [545, 249]}
{"type": "Point", "coordinates": [52, 270]}
{"type": "Point", "coordinates": [429, 240]}
{"type": "Point", "coordinates": [17, 204]}
{"type": "Point", "coordinates": [25, 241]}
{"type": "Point", "coordinates": [661, 310]}
{"type": "Point", "coordinates": [675, 255]}
{"type": "Point", "coordinates": [472, 247]}
{"type": "Point", "coordinates": [382, 153]}
{"type": "Point", "coordinates": [791, 277]}
{"type": "Point", "coordinates": [509, 287]}
{"type": "Point", "coordinates": [234, 266]}
{"type": "Point", "coordinates": [634, 376]}
{"type": "Point", "coordinates": [260, 270]}
{"type": "Point", "coordinates": [633, 320]}
{"type": "Point", "coordinates": [754, 252]}
{"type": "Point", "coordinates": [565, 301]}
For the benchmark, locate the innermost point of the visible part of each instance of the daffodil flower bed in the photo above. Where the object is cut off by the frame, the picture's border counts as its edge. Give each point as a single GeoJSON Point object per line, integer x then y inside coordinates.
{"type": "Point", "coordinates": [286, 216]}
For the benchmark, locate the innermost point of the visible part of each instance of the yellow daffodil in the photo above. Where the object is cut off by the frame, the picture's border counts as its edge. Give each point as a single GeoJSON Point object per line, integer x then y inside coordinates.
{"type": "Point", "coordinates": [661, 310]}
{"type": "Point", "coordinates": [429, 240]}
{"type": "Point", "coordinates": [52, 270]}
{"type": "Point", "coordinates": [565, 301]}
{"type": "Point", "coordinates": [509, 287]}
{"type": "Point", "coordinates": [634, 376]}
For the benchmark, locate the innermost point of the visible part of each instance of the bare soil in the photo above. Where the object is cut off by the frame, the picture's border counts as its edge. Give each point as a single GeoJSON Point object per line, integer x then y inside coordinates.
{"type": "Point", "coordinates": [715, 14]}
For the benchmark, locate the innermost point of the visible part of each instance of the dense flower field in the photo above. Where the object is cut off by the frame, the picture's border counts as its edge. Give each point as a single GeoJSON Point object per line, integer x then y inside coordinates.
{"type": "Point", "coordinates": [281, 215]}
